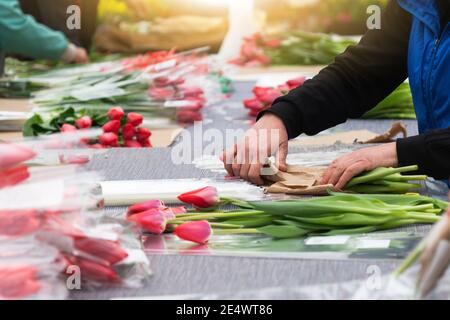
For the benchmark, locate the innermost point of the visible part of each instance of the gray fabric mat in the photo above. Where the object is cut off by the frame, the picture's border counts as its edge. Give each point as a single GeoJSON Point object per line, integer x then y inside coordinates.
{"type": "Point", "coordinates": [179, 274]}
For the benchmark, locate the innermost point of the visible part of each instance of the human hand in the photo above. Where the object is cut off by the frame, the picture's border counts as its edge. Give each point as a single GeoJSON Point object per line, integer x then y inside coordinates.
{"type": "Point", "coordinates": [81, 56]}
{"type": "Point", "coordinates": [266, 138]}
{"type": "Point", "coordinates": [343, 169]}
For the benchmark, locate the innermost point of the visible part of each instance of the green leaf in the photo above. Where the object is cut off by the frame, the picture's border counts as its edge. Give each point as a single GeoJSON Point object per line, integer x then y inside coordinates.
{"type": "Point", "coordinates": [283, 232]}
{"type": "Point", "coordinates": [28, 125]}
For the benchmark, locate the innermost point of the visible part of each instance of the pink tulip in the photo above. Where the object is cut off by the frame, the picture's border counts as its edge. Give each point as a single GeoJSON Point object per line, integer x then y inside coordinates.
{"type": "Point", "coordinates": [152, 220]}
{"type": "Point", "coordinates": [108, 139]}
{"type": "Point", "coordinates": [13, 175]}
{"type": "Point", "coordinates": [188, 116]}
{"type": "Point", "coordinates": [11, 154]}
{"type": "Point", "coordinates": [195, 231]}
{"type": "Point", "coordinates": [144, 206]}
{"type": "Point", "coordinates": [73, 159]}
{"type": "Point", "coordinates": [203, 198]}
{"type": "Point", "coordinates": [66, 128]}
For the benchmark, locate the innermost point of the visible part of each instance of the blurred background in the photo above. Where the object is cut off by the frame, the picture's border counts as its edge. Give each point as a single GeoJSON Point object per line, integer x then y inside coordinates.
{"type": "Point", "coordinates": [139, 25]}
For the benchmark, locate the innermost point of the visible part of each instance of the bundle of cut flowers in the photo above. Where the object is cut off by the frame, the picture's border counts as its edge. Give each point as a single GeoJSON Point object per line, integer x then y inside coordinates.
{"type": "Point", "coordinates": [336, 214]}
{"type": "Point", "coordinates": [398, 105]}
{"type": "Point", "coordinates": [119, 129]}
{"type": "Point", "coordinates": [292, 48]}
{"type": "Point", "coordinates": [51, 212]}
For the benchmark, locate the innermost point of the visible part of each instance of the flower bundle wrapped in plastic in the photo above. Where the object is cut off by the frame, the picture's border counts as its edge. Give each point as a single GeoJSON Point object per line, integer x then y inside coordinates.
{"type": "Point", "coordinates": [56, 208]}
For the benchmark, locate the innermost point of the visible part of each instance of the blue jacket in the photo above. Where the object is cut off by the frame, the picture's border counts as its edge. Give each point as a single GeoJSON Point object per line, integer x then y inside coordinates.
{"type": "Point", "coordinates": [429, 64]}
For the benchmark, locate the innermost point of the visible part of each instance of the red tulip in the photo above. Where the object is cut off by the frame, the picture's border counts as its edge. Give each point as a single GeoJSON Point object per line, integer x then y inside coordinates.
{"type": "Point", "coordinates": [195, 231]}
{"type": "Point", "coordinates": [107, 250]}
{"type": "Point", "coordinates": [161, 81]}
{"type": "Point", "coordinates": [84, 122]}
{"type": "Point", "coordinates": [73, 159]}
{"type": "Point", "coordinates": [273, 43]}
{"type": "Point", "coordinates": [66, 128]}
{"type": "Point", "coordinates": [161, 93]}
{"type": "Point", "coordinates": [95, 271]}
{"type": "Point", "coordinates": [11, 154]}
{"type": "Point", "coordinates": [146, 144]}
{"type": "Point", "coordinates": [152, 220]}
{"type": "Point", "coordinates": [108, 139]}
{"type": "Point", "coordinates": [18, 282]}
{"type": "Point", "coordinates": [116, 113]}
{"type": "Point", "coordinates": [253, 104]}
{"type": "Point", "coordinates": [132, 144]}
{"type": "Point", "coordinates": [142, 134]}
{"type": "Point", "coordinates": [96, 146]}
{"type": "Point", "coordinates": [269, 96]}
{"type": "Point", "coordinates": [112, 126]}
{"type": "Point", "coordinates": [144, 206]}
{"type": "Point", "coordinates": [135, 119]}
{"type": "Point", "coordinates": [18, 223]}
{"type": "Point", "coordinates": [178, 210]}
{"type": "Point", "coordinates": [188, 116]}
{"type": "Point", "coordinates": [191, 91]}
{"type": "Point", "coordinates": [297, 82]}
{"type": "Point", "coordinates": [128, 131]}
{"type": "Point", "coordinates": [13, 175]}
{"type": "Point", "coordinates": [203, 198]}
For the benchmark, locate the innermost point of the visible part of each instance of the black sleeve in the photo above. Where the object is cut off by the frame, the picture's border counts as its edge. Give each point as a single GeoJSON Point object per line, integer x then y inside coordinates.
{"type": "Point", "coordinates": [430, 151]}
{"type": "Point", "coordinates": [356, 82]}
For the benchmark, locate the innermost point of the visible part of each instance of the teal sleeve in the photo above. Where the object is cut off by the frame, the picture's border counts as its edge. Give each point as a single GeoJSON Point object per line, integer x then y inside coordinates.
{"type": "Point", "coordinates": [22, 34]}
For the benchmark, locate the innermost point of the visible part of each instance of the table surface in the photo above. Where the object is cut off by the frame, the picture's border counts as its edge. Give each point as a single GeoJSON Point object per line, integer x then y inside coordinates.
{"type": "Point", "coordinates": [185, 274]}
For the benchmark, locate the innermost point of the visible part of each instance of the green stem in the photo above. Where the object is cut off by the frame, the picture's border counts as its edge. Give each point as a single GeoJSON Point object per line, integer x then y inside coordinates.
{"type": "Point", "coordinates": [214, 215]}
{"type": "Point", "coordinates": [236, 231]}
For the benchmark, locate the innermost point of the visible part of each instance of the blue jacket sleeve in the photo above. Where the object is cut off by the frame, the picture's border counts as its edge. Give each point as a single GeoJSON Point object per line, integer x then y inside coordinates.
{"type": "Point", "coordinates": [22, 34]}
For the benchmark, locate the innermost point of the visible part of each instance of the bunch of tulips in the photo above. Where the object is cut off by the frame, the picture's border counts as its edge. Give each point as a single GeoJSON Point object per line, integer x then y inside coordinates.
{"type": "Point", "coordinates": [121, 130]}
{"type": "Point", "coordinates": [265, 96]}
{"type": "Point", "coordinates": [190, 99]}
{"type": "Point", "coordinates": [74, 228]}
{"type": "Point", "coordinates": [335, 214]}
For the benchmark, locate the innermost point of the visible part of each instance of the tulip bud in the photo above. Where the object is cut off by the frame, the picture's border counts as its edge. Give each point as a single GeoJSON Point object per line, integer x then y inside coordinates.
{"type": "Point", "coordinates": [14, 175]}
{"type": "Point", "coordinates": [112, 126]}
{"type": "Point", "coordinates": [132, 144]}
{"type": "Point", "coordinates": [195, 231]}
{"type": "Point", "coordinates": [84, 122]}
{"type": "Point", "coordinates": [95, 271]}
{"type": "Point", "coordinates": [108, 139]}
{"type": "Point", "coordinates": [151, 221]}
{"type": "Point", "coordinates": [142, 134]}
{"type": "Point", "coordinates": [128, 131]}
{"type": "Point", "coordinates": [135, 119]}
{"type": "Point", "coordinates": [144, 206]}
{"type": "Point", "coordinates": [11, 154]}
{"type": "Point", "coordinates": [107, 250]}
{"type": "Point", "coordinates": [201, 198]}
{"type": "Point", "coordinates": [66, 128]}
{"type": "Point", "coordinates": [188, 116]}
{"type": "Point", "coordinates": [116, 113]}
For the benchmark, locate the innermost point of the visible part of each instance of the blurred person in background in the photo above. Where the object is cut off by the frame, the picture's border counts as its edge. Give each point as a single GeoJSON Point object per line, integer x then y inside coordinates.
{"type": "Point", "coordinates": [53, 14]}
{"type": "Point", "coordinates": [21, 34]}
{"type": "Point", "coordinates": [414, 42]}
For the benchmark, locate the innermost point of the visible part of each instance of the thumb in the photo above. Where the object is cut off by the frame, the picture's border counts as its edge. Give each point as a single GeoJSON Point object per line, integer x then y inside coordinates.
{"type": "Point", "coordinates": [281, 156]}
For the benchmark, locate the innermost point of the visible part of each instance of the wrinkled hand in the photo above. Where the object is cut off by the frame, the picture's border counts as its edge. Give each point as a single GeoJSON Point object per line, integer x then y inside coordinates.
{"type": "Point", "coordinates": [266, 138]}
{"type": "Point", "coordinates": [81, 56]}
{"type": "Point", "coordinates": [343, 169]}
